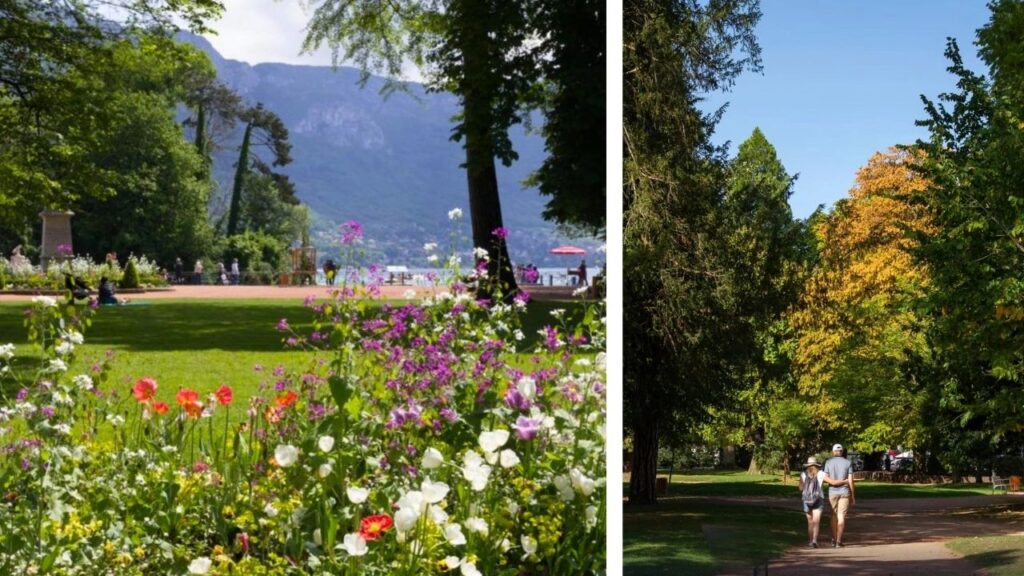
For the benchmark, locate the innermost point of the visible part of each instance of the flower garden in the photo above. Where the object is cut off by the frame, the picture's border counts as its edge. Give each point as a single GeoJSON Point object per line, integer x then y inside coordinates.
{"type": "Point", "coordinates": [24, 275]}
{"type": "Point", "coordinates": [414, 438]}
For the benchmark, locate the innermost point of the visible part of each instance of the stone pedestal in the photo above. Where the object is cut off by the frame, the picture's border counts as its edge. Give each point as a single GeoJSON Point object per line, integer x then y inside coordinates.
{"type": "Point", "coordinates": [56, 233]}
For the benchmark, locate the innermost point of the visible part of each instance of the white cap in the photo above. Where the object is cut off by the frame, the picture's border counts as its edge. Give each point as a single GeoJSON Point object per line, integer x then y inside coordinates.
{"type": "Point", "coordinates": [837, 448]}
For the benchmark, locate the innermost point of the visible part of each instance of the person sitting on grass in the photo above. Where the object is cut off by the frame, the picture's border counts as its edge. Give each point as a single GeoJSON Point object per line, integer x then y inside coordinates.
{"type": "Point", "coordinates": [107, 293]}
{"type": "Point", "coordinates": [77, 289]}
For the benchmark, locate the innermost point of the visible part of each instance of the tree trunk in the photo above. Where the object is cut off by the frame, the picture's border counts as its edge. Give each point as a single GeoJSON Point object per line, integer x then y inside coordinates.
{"type": "Point", "coordinates": [201, 131]}
{"type": "Point", "coordinates": [481, 175]}
{"type": "Point", "coordinates": [241, 170]}
{"type": "Point", "coordinates": [754, 467]}
{"type": "Point", "coordinates": [643, 479]}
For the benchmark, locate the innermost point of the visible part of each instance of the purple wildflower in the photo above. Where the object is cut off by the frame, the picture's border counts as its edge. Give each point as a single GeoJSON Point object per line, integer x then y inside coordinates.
{"type": "Point", "coordinates": [500, 232]}
{"type": "Point", "coordinates": [526, 428]}
{"type": "Point", "coordinates": [282, 325]}
{"type": "Point", "coordinates": [351, 231]}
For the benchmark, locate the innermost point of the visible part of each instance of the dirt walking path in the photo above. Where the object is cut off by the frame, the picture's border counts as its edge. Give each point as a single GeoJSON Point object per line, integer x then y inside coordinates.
{"type": "Point", "coordinates": [894, 537]}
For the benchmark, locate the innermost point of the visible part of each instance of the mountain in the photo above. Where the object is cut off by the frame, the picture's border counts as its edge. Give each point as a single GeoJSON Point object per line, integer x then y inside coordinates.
{"type": "Point", "coordinates": [388, 163]}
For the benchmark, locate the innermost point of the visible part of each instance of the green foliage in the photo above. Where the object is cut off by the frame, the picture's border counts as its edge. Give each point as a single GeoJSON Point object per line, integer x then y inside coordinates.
{"type": "Point", "coordinates": [130, 279]}
{"type": "Point", "coordinates": [259, 254]}
{"type": "Point", "coordinates": [57, 60]}
{"type": "Point", "coordinates": [263, 128]}
{"type": "Point", "coordinates": [680, 308]}
{"type": "Point", "coordinates": [976, 251]}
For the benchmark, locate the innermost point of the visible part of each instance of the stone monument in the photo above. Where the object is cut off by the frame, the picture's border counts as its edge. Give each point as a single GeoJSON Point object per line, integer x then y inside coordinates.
{"type": "Point", "coordinates": [56, 236]}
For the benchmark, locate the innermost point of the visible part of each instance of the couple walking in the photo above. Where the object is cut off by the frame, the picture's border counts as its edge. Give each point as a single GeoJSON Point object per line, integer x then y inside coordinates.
{"type": "Point", "coordinates": [838, 475]}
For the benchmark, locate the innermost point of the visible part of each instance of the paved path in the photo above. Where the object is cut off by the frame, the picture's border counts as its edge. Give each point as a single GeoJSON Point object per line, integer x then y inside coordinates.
{"type": "Point", "coordinates": [213, 292]}
{"type": "Point", "coordinates": [893, 537]}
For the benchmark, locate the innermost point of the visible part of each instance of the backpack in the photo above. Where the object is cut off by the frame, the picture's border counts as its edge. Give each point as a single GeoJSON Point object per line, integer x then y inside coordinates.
{"type": "Point", "coordinates": [812, 491]}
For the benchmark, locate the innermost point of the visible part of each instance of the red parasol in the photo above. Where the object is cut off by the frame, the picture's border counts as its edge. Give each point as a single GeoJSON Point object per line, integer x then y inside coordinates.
{"type": "Point", "coordinates": [568, 251]}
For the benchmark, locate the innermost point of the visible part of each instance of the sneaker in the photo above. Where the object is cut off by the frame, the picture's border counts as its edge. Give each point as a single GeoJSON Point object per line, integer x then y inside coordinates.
{"type": "Point", "coordinates": [814, 544]}
{"type": "Point", "coordinates": [833, 542]}
{"type": "Point", "coordinates": [840, 545]}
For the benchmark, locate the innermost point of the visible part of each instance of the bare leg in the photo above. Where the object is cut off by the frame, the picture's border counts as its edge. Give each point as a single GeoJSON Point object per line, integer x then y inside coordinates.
{"type": "Point", "coordinates": [840, 521]}
{"type": "Point", "coordinates": [815, 524]}
{"type": "Point", "coordinates": [811, 525]}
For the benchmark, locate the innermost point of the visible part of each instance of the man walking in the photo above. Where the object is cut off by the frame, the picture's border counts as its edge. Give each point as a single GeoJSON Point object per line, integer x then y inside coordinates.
{"type": "Point", "coordinates": [839, 476]}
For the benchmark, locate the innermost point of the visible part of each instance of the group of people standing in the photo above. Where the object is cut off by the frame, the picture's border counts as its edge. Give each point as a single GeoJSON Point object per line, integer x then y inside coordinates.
{"type": "Point", "coordinates": [837, 474]}
{"type": "Point", "coordinates": [224, 275]}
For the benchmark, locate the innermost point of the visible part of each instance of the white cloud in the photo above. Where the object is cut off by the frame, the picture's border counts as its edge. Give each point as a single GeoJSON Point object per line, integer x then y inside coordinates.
{"type": "Point", "coordinates": [257, 31]}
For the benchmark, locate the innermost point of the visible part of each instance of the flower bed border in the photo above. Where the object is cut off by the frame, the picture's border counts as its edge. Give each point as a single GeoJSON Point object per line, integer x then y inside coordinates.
{"type": "Point", "coordinates": [52, 292]}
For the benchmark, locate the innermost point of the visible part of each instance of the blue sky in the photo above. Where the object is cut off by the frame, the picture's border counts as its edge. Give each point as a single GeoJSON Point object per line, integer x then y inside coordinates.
{"type": "Point", "coordinates": [842, 80]}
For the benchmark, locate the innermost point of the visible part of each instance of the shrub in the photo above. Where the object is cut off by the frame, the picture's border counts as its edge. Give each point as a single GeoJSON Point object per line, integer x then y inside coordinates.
{"type": "Point", "coordinates": [130, 279]}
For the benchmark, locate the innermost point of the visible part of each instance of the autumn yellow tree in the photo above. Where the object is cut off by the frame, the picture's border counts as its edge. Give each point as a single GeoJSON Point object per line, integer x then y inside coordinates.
{"type": "Point", "coordinates": [857, 323]}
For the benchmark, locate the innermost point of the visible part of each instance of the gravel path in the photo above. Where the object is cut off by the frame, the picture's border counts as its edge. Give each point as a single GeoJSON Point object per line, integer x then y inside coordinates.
{"type": "Point", "coordinates": [893, 537]}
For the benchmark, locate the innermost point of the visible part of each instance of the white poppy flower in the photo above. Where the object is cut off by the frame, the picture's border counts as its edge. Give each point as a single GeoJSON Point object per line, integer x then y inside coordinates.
{"type": "Point", "coordinates": [438, 515]}
{"type": "Point", "coordinates": [413, 500]}
{"type": "Point", "coordinates": [564, 486]}
{"type": "Point", "coordinates": [529, 544]}
{"type": "Point", "coordinates": [325, 470]}
{"type": "Point", "coordinates": [581, 482]}
{"type": "Point", "coordinates": [475, 524]}
{"type": "Point", "coordinates": [433, 492]}
{"type": "Point", "coordinates": [405, 519]}
{"type": "Point", "coordinates": [469, 569]}
{"type": "Point", "coordinates": [200, 565]}
{"type": "Point", "coordinates": [451, 562]}
{"type": "Point", "coordinates": [432, 458]}
{"type": "Point", "coordinates": [494, 439]}
{"type": "Point", "coordinates": [285, 455]}
{"type": "Point", "coordinates": [508, 458]}
{"type": "Point", "coordinates": [455, 214]}
{"type": "Point", "coordinates": [590, 514]}
{"type": "Point", "coordinates": [270, 511]}
{"type": "Point", "coordinates": [453, 534]}
{"type": "Point", "coordinates": [357, 495]}
{"type": "Point", "coordinates": [475, 471]}
{"type": "Point", "coordinates": [325, 443]}
{"type": "Point", "coordinates": [354, 544]}
{"type": "Point", "coordinates": [6, 351]}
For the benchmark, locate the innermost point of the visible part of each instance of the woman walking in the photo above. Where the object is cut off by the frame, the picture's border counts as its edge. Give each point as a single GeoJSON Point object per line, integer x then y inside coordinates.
{"type": "Point", "coordinates": [811, 481]}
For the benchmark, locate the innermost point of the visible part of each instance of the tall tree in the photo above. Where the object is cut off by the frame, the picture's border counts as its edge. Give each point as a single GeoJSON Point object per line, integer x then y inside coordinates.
{"type": "Point", "coordinates": [976, 252]}
{"type": "Point", "coordinates": [483, 51]}
{"type": "Point", "coordinates": [55, 111]}
{"type": "Point", "coordinates": [573, 173]}
{"type": "Point", "coordinates": [768, 254]}
{"type": "Point", "coordinates": [264, 129]}
{"type": "Point", "coordinates": [858, 323]}
{"type": "Point", "coordinates": [679, 307]}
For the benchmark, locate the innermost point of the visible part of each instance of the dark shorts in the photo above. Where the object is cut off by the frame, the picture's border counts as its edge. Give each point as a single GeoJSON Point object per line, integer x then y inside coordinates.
{"type": "Point", "coordinates": [819, 505]}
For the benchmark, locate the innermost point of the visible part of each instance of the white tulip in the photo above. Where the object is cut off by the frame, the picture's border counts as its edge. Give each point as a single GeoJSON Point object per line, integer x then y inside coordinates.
{"type": "Point", "coordinates": [326, 443]}
{"type": "Point", "coordinates": [433, 492]}
{"type": "Point", "coordinates": [453, 534]}
{"type": "Point", "coordinates": [286, 455]}
{"type": "Point", "coordinates": [432, 458]}
{"type": "Point", "coordinates": [200, 565]}
{"type": "Point", "coordinates": [357, 495]}
{"type": "Point", "coordinates": [325, 470]}
{"type": "Point", "coordinates": [478, 525]}
{"type": "Point", "coordinates": [508, 458]}
{"type": "Point", "coordinates": [354, 544]}
{"type": "Point", "coordinates": [492, 440]}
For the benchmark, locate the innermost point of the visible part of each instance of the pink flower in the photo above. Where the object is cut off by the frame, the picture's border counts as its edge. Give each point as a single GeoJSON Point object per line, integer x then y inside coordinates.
{"type": "Point", "coordinates": [144, 389]}
{"type": "Point", "coordinates": [526, 428]}
{"type": "Point", "coordinates": [224, 395]}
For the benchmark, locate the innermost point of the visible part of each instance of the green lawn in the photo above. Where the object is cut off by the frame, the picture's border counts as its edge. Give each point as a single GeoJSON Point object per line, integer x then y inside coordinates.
{"type": "Point", "coordinates": [1001, 555]}
{"type": "Point", "coordinates": [677, 537]}
{"type": "Point", "coordinates": [201, 344]}
{"type": "Point", "coordinates": [739, 483]}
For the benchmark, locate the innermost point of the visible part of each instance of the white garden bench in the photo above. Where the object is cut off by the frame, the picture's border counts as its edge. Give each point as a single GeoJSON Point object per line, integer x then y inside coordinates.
{"type": "Point", "coordinates": [1000, 483]}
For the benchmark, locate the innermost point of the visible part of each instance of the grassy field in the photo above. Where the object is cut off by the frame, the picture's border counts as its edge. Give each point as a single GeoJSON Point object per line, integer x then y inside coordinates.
{"type": "Point", "coordinates": [739, 483]}
{"type": "Point", "coordinates": [678, 537]}
{"type": "Point", "coordinates": [1001, 555]}
{"type": "Point", "coordinates": [684, 536]}
{"type": "Point", "coordinates": [201, 344]}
